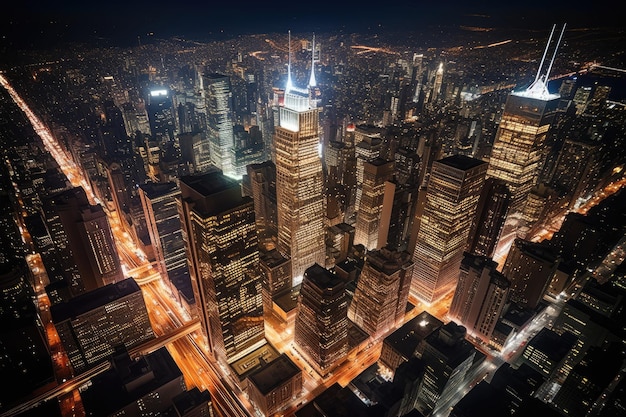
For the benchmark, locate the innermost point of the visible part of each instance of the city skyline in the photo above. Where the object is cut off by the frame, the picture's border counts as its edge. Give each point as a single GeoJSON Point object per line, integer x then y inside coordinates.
{"type": "Point", "coordinates": [350, 246]}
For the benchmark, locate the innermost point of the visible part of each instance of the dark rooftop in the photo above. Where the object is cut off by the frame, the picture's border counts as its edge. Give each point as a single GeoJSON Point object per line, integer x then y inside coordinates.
{"type": "Point", "coordinates": [93, 299]}
{"type": "Point", "coordinates": [461, 162]}
{"type": "Point", "coordinates": [274, 374]}
{"type": "Point", "coordinates": [407, 337]}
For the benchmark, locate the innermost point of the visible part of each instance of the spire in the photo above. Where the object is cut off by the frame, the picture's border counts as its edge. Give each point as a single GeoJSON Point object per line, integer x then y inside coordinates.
{"type": "Point", "coordinates": [539, 87]}
{"type": "Point", "coordinates": [289, 83]}
{"type": "Point", "coordinates": [312, 81]}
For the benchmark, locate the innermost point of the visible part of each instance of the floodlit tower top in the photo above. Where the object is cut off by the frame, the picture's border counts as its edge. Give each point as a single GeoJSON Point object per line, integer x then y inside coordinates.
{"type": "Point", "coordinates": [539, 87]}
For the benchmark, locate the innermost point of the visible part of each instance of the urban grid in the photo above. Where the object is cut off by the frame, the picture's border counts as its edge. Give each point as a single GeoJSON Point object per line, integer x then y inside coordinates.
{"type": "Point", "coordinates": [299, 223]}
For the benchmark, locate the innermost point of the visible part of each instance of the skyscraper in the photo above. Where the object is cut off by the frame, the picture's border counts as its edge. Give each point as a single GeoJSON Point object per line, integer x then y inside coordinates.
{"type": "Point", "coordinates": [299, 181]}
{"type": "Point", "coordinates": [89, 239]}
{"type": "Point", "coordinates": [451, 197]}
{"type": "Point", "coordinates": [375, 175]}
{"type": "Point", "coordinates": [491, 211]}
{"type": "Point", "coordinates": [530, 267]}
{"type": "Point", "coordinates": [219, 120]}
{"type": "Point", "coordinates": [519, 147]}
{"type": "Point", "coordinates": [163, 222]}
{"type": "Point", "coordinates": [219, 227]}
{"type": "Point", "coordinates": [321, 328]}
{"type": "Point", "coordinates": [381, 294]}
{"type": "Point", "coordinates": [480, 296]}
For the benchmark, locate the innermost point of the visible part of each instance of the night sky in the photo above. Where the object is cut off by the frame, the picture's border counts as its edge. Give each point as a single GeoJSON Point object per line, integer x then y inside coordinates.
{"type": "Point", "coordinates": [40, 24]}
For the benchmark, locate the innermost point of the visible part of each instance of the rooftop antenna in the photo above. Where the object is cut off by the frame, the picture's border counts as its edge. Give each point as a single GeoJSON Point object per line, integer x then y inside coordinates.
{"type": "Point", "coordinates": [289, 83]}
{"type": "Point", "coordinates": [312, 81]}
{"type": "Point", "coordinates": [554, 54]}
{"type": "Point", "coordinates": [545, 52]}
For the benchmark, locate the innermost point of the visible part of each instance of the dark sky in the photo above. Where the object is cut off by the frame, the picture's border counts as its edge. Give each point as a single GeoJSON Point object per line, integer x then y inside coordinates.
{"type": "Point", "coordinates": [37, 24]}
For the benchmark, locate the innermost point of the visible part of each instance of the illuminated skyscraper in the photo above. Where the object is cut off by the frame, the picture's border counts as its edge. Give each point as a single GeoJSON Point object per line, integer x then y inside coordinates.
{"type": "Point", "coordinates": [299, 181]}
{"type": "Point", "coordinates": [321, 329]}
{"type": "Point", "coordinates": [519, 147]}
{"type": "Point", "coordinates": [375, 175]}
{"type": "Point", "coordinates": [218, 224]}
{"type": "Point", "coordinates": [380, 298]}
{"type": "Point", "coordinates": [219, 120]}
{"type": "Point", "coordinates": [451, 197]}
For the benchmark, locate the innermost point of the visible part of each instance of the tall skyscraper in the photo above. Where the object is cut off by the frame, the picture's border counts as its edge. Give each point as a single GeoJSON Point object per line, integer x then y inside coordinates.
{"type": "Point", "coordinates": [89, 239]}
{"type": "Point", "coordinates": [480, 296]}
{"type": "Point", "coordinates": [219, 120]}
{"type": "Point", "coordinates": [321, 328]}
{"type": "Point", "coordinates": [375, 175]}
{"type": "Point", "coordinates": [223, 255]}
{"type": "Point", "coordinates": [451, 197]}
{"type": "Point", "coordinates": [519, 147]}
{"type": "Point", "coordinates": [262, 180]}
{"type": "Point", "coordinates": [299, 181]}
{"type": "Point", "coordinates": [382, 292]}
{"type": "Point", "coordinates": [491, 212]}
{"type": "Point", "coordinates": [163, 222]}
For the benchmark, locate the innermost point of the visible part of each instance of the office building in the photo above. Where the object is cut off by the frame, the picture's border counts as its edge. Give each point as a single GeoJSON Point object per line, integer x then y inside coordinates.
{"type": "Point", "coordinates": [93, 325]}
{"type": "Point", "coordinates": [273, 387]}
{"type": "Point", "coordinates": [262, 180]}
{"type": "Point", "coordinates": [163, 222]}
{"type": "Point", "coordinates": [530, 267]}
{"type": "Point", "coordinates": [24, 352]}
{"type": "Point", "coordinates": [219, 112]}
{"type": "Point", "coordinates": [451, 197]}
{"type": "Point", "coordinates": [491, 212]}
{"type": "Point", "coordinates": [375, 174]}
{"type": "Point", "coordinates": [382, 292]}
{"type": "Point", "coordinates": [401, 345]}
{"type": "Point", "coordinates": [89, 238]}
{"type": "Point", "coordinates": [299, 181]}
{"type": "Point", "coordinates": [480, 296]}
{"type": "Point", "coordinates": [519, 147]}
{"type": "Point", "coordinates": [146, 385]}
{"type": "Point", "coordinates": [223, 255]}
{"type": "Point", "coordinates": [161, 114]}
{"type": "Point", "coordinates": [368, 144]}
{"type": "Point", "coordinates": [321, 328]}
{"type": "Point", "coordinates": [447, 357]}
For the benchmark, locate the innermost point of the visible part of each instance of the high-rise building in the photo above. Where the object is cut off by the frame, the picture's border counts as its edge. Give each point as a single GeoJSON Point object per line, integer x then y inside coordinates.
{"type": "Point", "coordinates": [89, 237]}
{"type": "Point", "coordinates": [219, 111]}
{"type": "Point", "coordinates": [368, 143]}
{"type": "Point", "coordinates": [223, 256]}
{"type": "Point", "coordinates": [573, 169]}
{"type": "Point", "coordinates": [491, 211]}
{"type": "Point", "coordinates": [447, 356]}
{"type": "Point", "coordinates": [161, 114]}
{"type": "Point", "coordinates": [24, 352]}
{"type": "Point", "coordinates": [530, 267]}
{"type": "Point", "coordinates": [375, 174]}
{"type": "Point", "coordinates": [262, 180]}
{"type": "Point", "coordinates": [519, 148]}
{"type": "Point", "coordinates": [480, 296]}
{"type": "Point", "coordinates": [163, 222]}
{"type": "Point", "coordinates": [321, 328]}
{"type": "Point", "coordinates": [299, 181]}
{"type": "Point", "coordinates": [93, 325]}
{"type": "Point", "coordinates": [451, 197]}
{"type": "Point", "coordinates": [382, 292]}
